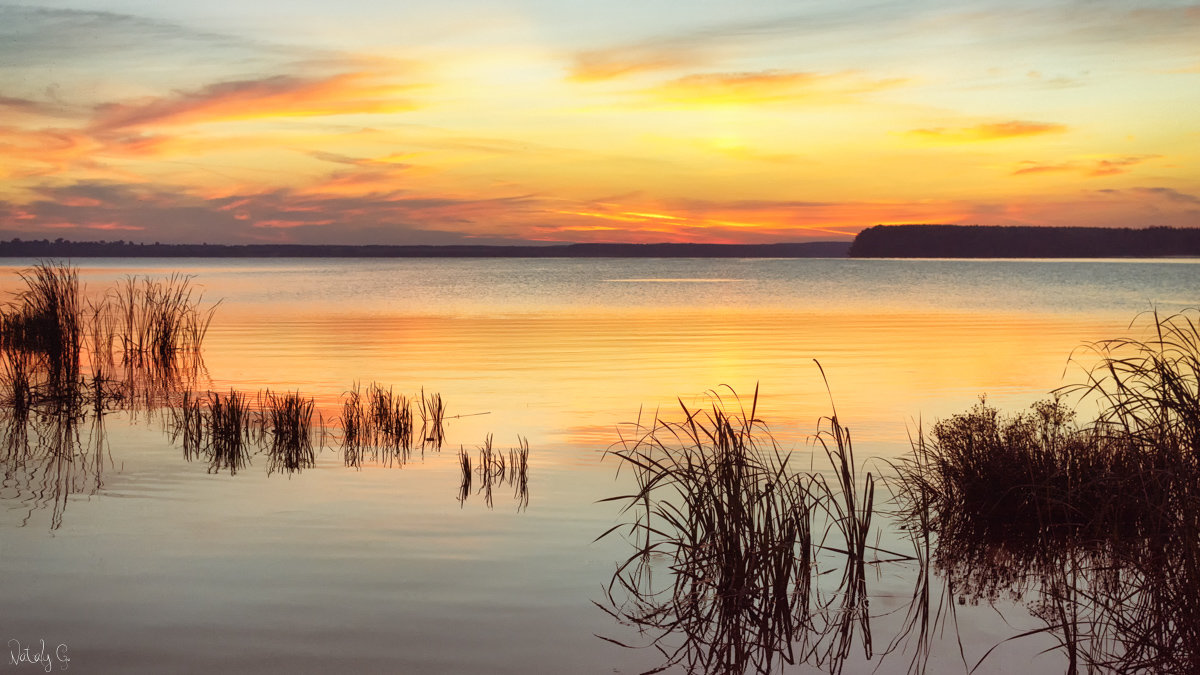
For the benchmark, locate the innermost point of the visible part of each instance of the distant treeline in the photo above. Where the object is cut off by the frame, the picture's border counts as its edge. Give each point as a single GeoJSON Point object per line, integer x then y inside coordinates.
{"type": "Point", "coordinates": [61, 248]}
{"type": "Point", "coordinates": [975, 241]}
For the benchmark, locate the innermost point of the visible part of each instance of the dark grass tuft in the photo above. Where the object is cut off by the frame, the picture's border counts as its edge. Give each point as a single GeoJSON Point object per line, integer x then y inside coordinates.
{"type": "Point", "coordinates": [218, 428]}
{"type": "Point", "coordinates": [718, 505]}
{"type": "Point", "coordinates": [287, 421]}
{"type": "Point", "coordinates": [377, 424]}
{"type": "Point", "coordinates": [1098, 522]}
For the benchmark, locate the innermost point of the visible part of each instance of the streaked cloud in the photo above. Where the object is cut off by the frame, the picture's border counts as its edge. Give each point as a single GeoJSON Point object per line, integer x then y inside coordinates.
{"type": "Point", "coordinates": [277, 96]}
{"type": "Point", "coordinates": [766, 87]}
{"type": "Point", "coordinates": [608, 64]}
{"type": "Point", "coordinates": [1091, 167]}
{"type": "Point", "coordinates": [172, 214]}
{"type": "Point", "coordinates": [1167, 194]}
{"type": "Point", "coordinates": [989, 132]}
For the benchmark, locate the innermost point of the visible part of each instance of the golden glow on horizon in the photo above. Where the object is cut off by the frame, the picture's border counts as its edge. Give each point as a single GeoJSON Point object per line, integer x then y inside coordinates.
{"type": "Point", "coordinates": [713, 136]}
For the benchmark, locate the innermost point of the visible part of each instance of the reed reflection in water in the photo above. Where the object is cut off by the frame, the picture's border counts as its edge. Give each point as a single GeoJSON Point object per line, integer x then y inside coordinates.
{"type": "Point", "coordinates": [439, 587]}
{"type": "Point", "coordinates": [68, 361]}
{"type": "Point", "coordinates": [734, 545]}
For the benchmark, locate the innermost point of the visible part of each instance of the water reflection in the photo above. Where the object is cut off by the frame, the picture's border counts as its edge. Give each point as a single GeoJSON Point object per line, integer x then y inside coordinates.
{"type": "Point", "coordinates": [65, 456]}
{"type": "Point", "coordinates": [1123, 605]}
{"type": "Point", "coordinates": [66, 361]}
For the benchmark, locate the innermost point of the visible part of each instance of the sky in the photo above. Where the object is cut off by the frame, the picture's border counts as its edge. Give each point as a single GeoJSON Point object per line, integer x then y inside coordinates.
{"type": "Point", "coordinates": [512, 121]}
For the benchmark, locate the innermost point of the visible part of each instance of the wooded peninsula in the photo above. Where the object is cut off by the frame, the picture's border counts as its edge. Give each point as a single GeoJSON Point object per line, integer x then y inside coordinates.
{"type": "Point", "coordinates": [977, 241]}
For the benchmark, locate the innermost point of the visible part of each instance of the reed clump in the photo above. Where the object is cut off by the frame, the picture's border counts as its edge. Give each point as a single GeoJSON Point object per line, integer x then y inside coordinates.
{"type": "Point", "coordinates": [1101, 521]}
{"type": "Point", "coordinates": [493, 469]}
{"type": "Point", "coordinates": [391, 420]}
{"type": "Point", "coordinates": [465, 476]}
{"type": "Point", "coordinates": [719, 505]}
{"type": "Point", "coordinates": [984, 474]}
{"type": "Point", "coordinates": [158, 320]}
{"type": "Point", "coordinates": [155, 327]}
{"type": "Point", "coordinates": [377, 424]}
{"type": "Point", "coordinates": [46, 319]}
{"type": "Point", "coordinates": [216, 427]}
{"type": "Point", "coordinates": [287, 421]}
{"type": "Point", "coordinates": [433, 416]}
{"type": "Point", "coordinates": [518, 463]}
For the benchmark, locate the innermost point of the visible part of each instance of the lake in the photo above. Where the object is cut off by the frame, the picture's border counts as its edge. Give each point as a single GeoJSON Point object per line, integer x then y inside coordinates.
{"type": "Point", "coordinates": [139, 561]}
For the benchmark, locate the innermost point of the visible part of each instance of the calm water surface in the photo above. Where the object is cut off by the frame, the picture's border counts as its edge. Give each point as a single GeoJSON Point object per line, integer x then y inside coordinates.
{"type": "Point", "coordinates": [150, 564]}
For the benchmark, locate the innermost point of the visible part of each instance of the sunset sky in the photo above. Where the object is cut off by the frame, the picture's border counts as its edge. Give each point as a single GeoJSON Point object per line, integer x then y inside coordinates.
{"type": "Point", "coordinates": [365, 121]}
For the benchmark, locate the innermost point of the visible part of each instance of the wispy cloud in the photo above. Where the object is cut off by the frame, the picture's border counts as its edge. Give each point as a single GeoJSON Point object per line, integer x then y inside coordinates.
{"type": "Point", "coordinates": [1167, 194]}
{"type": "Point", "coordinates": [1091, 168]}
{"type": "Point", "coordinates": [608, 64]}
{"type": "Point", "coordinates": [989, 132]}
{"type": "Point", "coordinates": [706, 45]}
{"type": "Point", "coordinates": [277, 96]}
{"type": "Point", "coordinates": [173, 214]}
{"type": "Point", "coordinates": [766, 87]}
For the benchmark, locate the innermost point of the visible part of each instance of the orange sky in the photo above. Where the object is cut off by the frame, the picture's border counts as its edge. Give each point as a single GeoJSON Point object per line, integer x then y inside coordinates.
{"type": "Point", "coordinates": [546, 121]}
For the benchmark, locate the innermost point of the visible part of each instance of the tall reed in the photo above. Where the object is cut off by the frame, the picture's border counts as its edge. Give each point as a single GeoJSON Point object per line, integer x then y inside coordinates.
{"type": "Point", "coordinates": [159, 318]}
{"type": "Point", "coordinates": [46, 319]}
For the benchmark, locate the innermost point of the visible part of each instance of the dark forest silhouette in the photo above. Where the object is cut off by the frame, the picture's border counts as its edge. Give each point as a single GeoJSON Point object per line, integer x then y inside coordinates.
{"type": "Point", "coordinates": [61, 248]}
{"type": "Point", "coordinates": [880, 241]}
{"type": "Point", "coordinates": [975, 241]}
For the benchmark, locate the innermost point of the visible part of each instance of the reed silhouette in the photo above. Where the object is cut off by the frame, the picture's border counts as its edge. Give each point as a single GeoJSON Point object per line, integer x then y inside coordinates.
{"type": "Point", "coordinates": [433, 415]}
{"type": "Point", "coordinates": [378, 425]}
{"type": "Point", "coordinates": [729, 539]}
{"type": "Point", "coordinates": [1096, 526]}
{"type": "Point", "coordinates": [493, 470]}
{"type": "Point", "coordinates": [287, 426]}
{"type": "Point", "coordinates": [135, 347]}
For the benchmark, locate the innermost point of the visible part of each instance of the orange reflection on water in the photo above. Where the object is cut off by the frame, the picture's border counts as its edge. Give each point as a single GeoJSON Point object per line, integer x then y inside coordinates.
{"type": "Point", "coordinates": [564, 377]}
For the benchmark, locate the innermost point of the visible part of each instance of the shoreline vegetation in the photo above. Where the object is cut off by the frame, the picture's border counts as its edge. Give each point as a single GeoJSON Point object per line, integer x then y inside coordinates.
{"type": "Point", "coordinates": [880, 241]}
{"type": "Point", "coordinates": [980, 241]}
{"type": "Point", "coordinates": [61, 248]}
